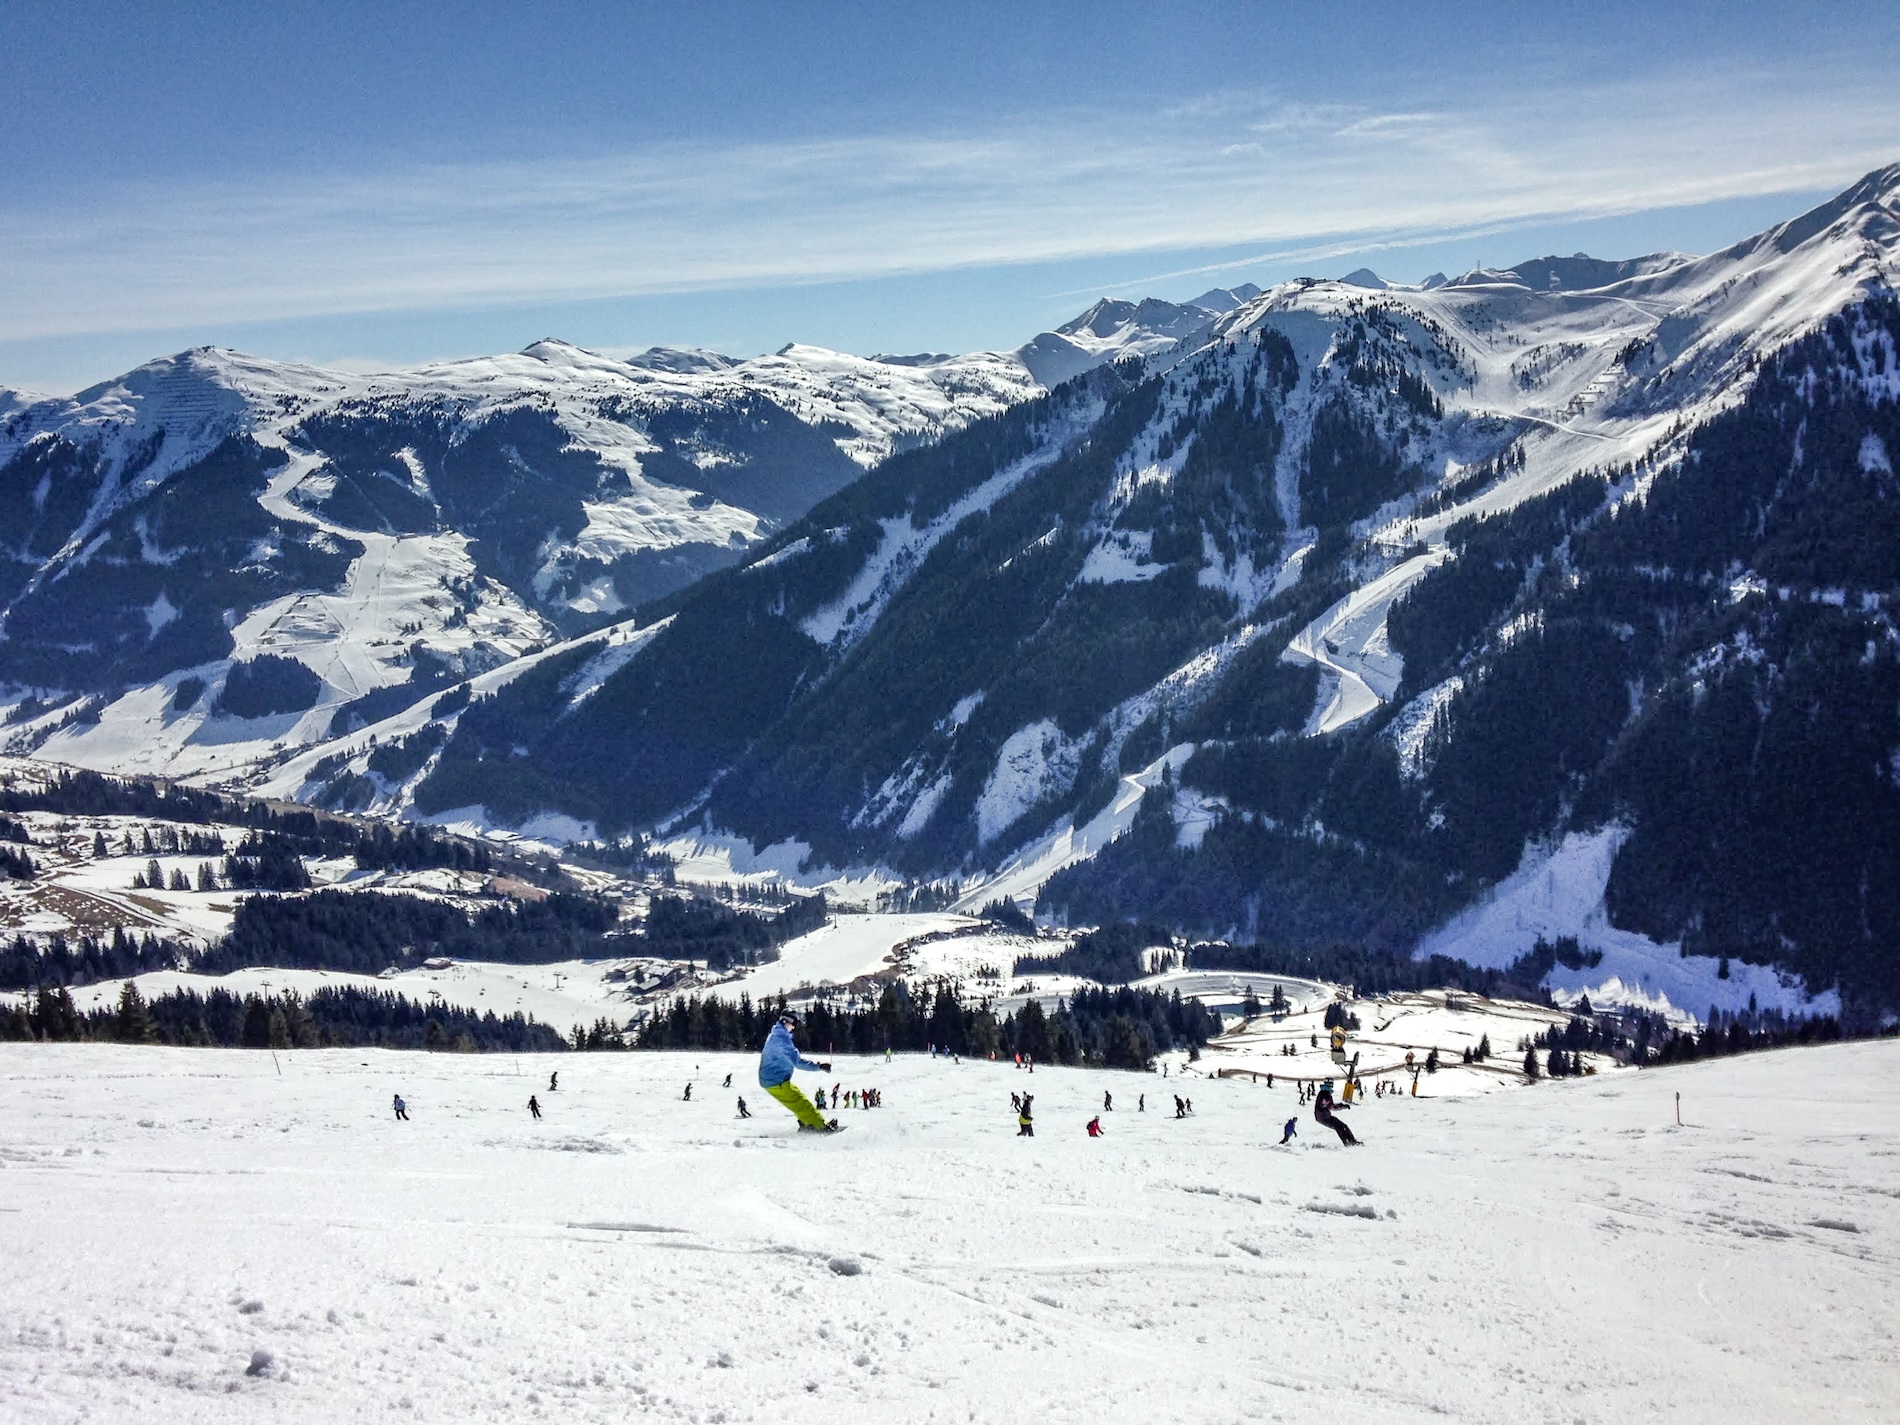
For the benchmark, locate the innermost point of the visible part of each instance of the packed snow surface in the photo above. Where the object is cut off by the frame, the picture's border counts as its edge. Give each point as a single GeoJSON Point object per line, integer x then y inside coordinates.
{"type": "Point", "coordinates": [227, 1235]}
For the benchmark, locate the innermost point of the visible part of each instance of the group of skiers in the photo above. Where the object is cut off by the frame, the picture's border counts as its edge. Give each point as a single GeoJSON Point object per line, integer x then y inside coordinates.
{"type": "Point", "coordinates": [780, 1058]}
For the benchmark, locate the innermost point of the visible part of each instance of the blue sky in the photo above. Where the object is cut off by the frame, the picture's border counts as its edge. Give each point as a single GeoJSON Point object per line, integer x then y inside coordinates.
{"type": "Point", "coordinates": [382, 184]}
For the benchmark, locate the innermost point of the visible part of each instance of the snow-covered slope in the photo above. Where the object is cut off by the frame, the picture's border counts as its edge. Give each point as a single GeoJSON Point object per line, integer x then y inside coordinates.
{"type": "Point", "coordinates": [411, 528]}
{"type": "Point", "coordinates": [1272, 616]}
{"type": "Point", "coordinates": [217, 1235]}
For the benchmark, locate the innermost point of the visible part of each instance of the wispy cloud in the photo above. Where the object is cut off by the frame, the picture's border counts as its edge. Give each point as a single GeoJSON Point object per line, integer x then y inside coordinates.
{"type": "Point", "coordinates": [1223, 171]}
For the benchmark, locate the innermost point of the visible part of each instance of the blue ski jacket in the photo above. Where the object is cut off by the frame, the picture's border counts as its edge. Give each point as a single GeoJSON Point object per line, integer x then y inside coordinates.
{"type": "Point", "coordinates": [780, 1057]}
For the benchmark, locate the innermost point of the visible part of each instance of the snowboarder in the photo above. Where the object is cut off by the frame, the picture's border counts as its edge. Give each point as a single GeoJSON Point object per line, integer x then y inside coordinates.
{"type": "Point", "coordinates": [402, 1109]}
{"type": "Point", "coordinates": [728, 1083]}
{"type": "Point", "coordinates": [1025, 1117]}
{"type": "Point", "coordinates": [554, 1081]}
{"type": "Point", "coordinates": [744, 1112]}
{"type": "Point", "coordinates": [1141, 1103]}
{"type": "Point", "coordinates": [1095, 1127]}
{"type": "Point", "coordinates": [1180, 1108]}
{"type": "Point", "coordinates": [1323, 1114]}
{"type": "Point", "coordinates": [534, 1105]}
{"type": "Point", "coordinates": [1108, 1103]}
{"type": "Point", "coordinates": [1286, 1134]}
{"type": "Point", "coordinates": [777, 1060]}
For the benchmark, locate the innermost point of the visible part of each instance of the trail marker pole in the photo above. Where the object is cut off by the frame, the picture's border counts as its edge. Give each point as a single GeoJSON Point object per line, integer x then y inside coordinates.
{"type": "Point", "coordinates": [1678, 1110]}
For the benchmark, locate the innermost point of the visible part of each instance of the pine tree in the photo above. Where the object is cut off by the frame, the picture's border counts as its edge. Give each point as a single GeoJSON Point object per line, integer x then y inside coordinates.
{"type": "Point", "coordinates": [279, 1029]}
{"type": "Point", "coordinates": [1484, 1048]}
{"type": "Point", "coordinates": [99, 848]}
{"type": "Point", "coordinates": [154, 875]}
{"type": "Point", "coordinates": [134, 1022]}
{"type": "Point", "coordinates": [1530, 1063]}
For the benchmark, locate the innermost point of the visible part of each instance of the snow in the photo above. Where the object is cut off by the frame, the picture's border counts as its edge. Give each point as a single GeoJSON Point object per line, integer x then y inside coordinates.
{"type": "Point", "coordinates": [1360, 668]}
{"type": "Point", "coordinates": [1022, 875]}
{"type": "Point", "coordinates": [1122, 557]}
{"type": "Point", "coordinates": [1543, 368]}
{"type": "Point", "coordinates": [1034, 763]}
{"type": "Point", "coordinates": [846, 948]}
{"type": "Point", "coordinates": [561, 994]}
{"type": "Point", "coordinates": [903, 548]}
{"type": "Point", "coordinates": [221, 1235]}
{"type": "Point", "coordinates": [1559, 892]}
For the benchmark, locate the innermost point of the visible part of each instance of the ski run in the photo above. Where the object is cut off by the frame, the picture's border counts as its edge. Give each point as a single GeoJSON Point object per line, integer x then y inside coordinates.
{"type": "Point", "coordinates": [213, 1235]}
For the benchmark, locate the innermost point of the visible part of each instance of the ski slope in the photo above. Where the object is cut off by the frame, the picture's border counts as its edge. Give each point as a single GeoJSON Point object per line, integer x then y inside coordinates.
{"type": "Point", "coordinates": [208, 1236]}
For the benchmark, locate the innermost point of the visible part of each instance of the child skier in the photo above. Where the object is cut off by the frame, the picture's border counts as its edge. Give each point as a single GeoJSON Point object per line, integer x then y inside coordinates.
{"type": "Point", "coordinates": [402, 1109]}
{"type": "Point", "coordinates": [534, 1106]}
{"type": "Point", "coordinates": [777, 1060]}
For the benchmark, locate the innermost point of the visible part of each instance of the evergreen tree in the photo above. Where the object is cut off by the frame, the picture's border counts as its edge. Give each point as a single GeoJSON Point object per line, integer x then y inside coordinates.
{"type": "Point", "coordinates": [1530, 1063]}
{"type": "Point", "coordinates": [134, 1023]}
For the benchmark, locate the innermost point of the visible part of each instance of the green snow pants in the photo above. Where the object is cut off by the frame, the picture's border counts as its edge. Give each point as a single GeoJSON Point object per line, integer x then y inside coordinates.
{"type": "Point", "coordinates": [789, 1094]}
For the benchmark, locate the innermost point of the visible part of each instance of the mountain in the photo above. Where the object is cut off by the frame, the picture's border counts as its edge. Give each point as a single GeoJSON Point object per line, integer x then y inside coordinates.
{"type": "Point", "coordinates": [1550, 601]}
{"type": "Point", "coordinates": [217, 559]}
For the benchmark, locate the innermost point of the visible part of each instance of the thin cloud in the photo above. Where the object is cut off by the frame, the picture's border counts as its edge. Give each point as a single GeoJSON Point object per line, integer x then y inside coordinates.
{"type": "Point", "coordinates": [1231, 171]}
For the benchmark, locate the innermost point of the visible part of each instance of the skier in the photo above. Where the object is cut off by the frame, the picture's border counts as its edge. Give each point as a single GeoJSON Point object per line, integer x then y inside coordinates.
{"type": "Point", "coordinates": [777, 1060]}
{"type": "Point", "coordinates": [1180, 1108]}
{"type": "Point", "coordinates": [728, 1083]}
{"type": "Point", "coordinates": [1095, 1127]}
{"type": "Point", "coordinates": [687, 1097]}
{"type": "Point", "coordinates": [1025, 1117]}
{"type": "Point", "coordinates": [554, 1081]}
{"type": "Point", "coordinates": [819, 1101]}
{"type": "Point", "coordinates": [1108, 1103]}
{"type": "Point", "coordinates": [744, 1112]}
{"type": "Point", "coordinates": [534, 1105]}
{"type": "Point", "coordinates": [1323, 1114]}
{"type": "Point", "coordinates": [402, 1109]}
{"type": "Point", "coordinates": [1141, 1103]}
{"type": "Point", "coordinates": [1286, 1135]}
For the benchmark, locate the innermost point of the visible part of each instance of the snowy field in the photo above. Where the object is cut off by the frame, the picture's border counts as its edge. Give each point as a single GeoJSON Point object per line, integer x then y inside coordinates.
{"type": "Point", "coordinates": [195, 1235]}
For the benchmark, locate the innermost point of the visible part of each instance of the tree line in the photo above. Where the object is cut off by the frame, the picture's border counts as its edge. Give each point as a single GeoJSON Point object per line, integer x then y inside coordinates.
{"type": "Point", "coordinates": [1111, 1028]}
{"type": "Point", "coordinates": [333, 1017]}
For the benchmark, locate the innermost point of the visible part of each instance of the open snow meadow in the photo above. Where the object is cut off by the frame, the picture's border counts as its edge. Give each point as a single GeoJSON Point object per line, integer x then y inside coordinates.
{"type": "Point", "coordinates": [212, 1235]}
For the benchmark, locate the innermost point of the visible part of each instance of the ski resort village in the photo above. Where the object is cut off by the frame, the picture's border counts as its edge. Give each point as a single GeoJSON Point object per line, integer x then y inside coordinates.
{"type": "Point", "coordinates": [1278, 810]}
